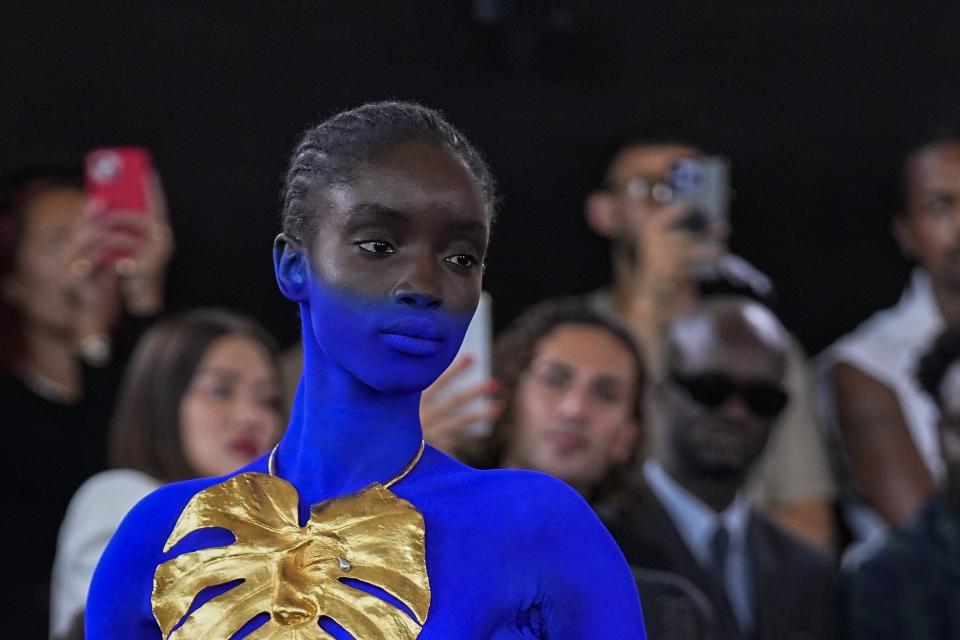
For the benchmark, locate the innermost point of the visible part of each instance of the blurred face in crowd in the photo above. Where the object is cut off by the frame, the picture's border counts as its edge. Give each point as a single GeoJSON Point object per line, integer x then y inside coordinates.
{"type": "Point", "coordinates": [722, 391]}
{"type": "Point", "coordinates": [573, 414]}
{"type": "Point", "coordinates": [636, 189]}
{"type": "Point", "coordinates": [35, 288]}
{"type": "Point", "coordinates": [950, 427]}
{"type": "Point", "coordinates": [929, 228]}
{"type": "Point", "coordinates": [230, 413]}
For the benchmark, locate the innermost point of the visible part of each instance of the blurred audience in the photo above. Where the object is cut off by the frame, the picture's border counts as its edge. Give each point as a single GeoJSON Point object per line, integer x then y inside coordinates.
{"type": "Point", "coordinates": [716, 404]}
{"type": "Point", "coordinates": [68, 317]}
{"type": "Point", "coordinates": [655, 279]}
{"type": "Point", "coordinates": [201, 397]}
{"type": "Point", "coordinates": [910, 588]}
{"type": "Point", "coordinates": [885, 422]}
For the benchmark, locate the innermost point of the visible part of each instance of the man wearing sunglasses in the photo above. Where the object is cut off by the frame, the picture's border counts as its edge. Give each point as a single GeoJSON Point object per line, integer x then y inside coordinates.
{"type": "Point", "coordinates": [716, 402]}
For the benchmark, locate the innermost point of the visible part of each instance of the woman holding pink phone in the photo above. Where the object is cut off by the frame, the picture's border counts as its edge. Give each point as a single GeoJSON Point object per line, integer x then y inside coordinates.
{"type": "Point", "coordinates": [67, 317]}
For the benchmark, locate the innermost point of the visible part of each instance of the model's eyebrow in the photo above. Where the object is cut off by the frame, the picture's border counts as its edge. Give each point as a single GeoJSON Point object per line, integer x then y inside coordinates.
{"type": "Point", "coordinates": [372, 209]}
{"type": "Point", "coordinates": [376, 210]}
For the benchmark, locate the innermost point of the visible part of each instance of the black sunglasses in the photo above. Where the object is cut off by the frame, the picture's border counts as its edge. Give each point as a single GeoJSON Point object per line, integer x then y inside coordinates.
{"type": "Point", "coordinates": [764, 399]}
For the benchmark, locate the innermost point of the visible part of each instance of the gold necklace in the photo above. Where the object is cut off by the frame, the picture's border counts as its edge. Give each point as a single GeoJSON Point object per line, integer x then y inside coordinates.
{"type": "Point", "coordinates": [296, 573]}
{"type": "Point", "coordinates": [272, 465]}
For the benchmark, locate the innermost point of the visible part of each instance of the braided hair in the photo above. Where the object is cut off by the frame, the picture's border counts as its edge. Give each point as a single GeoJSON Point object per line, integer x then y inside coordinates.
{"type": "Point", "coordinates": [333, 152]}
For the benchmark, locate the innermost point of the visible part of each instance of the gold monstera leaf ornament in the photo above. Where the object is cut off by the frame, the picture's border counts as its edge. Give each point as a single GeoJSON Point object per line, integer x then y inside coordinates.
{"type": "Point", "coordinates": [294, 573]}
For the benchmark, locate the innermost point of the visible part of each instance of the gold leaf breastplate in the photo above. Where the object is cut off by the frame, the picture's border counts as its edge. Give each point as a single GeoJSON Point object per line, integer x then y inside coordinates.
{"type": "Point", "coordinates": [294, 573]}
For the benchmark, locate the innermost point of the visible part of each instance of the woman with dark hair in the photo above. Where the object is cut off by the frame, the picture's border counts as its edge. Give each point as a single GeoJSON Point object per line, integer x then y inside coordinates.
{"type": "Point", "coordinates": [352, 527]}
{"type": "Point", "coordinates": [200, 397]}
{"type": "Point", "coordinates": [68, 318]}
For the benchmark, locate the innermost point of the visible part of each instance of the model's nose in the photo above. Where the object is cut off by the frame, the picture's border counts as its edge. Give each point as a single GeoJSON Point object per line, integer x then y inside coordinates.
{"type": "Point", "coordinates": [421, 288]}
{"type": "Point", "coordinates": [417, 299]}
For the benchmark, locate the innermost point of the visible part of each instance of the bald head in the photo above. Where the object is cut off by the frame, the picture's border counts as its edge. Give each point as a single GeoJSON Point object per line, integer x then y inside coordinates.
{"type": "Point", "coordinates": [726, 325]}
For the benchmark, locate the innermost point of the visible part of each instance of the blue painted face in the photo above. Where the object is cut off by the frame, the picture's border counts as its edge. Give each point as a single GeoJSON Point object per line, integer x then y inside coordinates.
{"type": "Point", "coordinates": [391, 346]}
{"type": "Point", "coordinates": [395, 266]}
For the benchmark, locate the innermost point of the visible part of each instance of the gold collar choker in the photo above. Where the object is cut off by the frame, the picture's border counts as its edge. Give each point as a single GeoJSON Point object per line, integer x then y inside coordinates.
{"type": "Point", "coordinates": [272, 465]}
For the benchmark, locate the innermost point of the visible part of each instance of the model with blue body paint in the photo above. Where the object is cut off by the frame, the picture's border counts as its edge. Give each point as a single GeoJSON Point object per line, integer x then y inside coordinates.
{"type": "Point", "coordinates": [387, 215]}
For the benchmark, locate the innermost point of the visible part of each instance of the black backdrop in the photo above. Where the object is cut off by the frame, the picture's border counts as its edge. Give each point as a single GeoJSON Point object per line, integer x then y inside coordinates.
{"type": "Point", "coordinates": [810, 99]}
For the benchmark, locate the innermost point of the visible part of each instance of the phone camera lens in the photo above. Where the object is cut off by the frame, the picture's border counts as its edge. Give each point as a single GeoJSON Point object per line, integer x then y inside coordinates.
{"type": "Point", "coordinates": [105, 166]}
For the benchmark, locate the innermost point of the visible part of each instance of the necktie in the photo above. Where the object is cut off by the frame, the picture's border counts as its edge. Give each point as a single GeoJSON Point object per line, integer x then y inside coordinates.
{"type": "Point", "coordinates": [719, 548]}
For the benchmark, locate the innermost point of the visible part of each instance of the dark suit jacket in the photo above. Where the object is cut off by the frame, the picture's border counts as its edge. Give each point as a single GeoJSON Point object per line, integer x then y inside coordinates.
{"type": "Point", "coordinates": [793, 584]}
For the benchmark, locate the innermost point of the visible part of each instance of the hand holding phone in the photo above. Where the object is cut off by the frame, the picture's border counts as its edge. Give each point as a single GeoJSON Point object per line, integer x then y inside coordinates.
{"type": "Point", "coordinates": [117, 180]}
{"type": "Point", "coordinates": [703, 185]}
{"type": "Point", "coordinates": [127, 197]}
{"type": "Point", "coordinates": [459, 405]}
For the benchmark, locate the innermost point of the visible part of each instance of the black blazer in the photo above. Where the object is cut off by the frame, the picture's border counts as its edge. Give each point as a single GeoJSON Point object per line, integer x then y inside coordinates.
{"type": "Point", "coordinates": [793, 583]}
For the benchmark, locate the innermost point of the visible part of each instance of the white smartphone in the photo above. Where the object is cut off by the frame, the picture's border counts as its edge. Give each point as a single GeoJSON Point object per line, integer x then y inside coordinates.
{"type": "Point", "coordinates": [478, 344]}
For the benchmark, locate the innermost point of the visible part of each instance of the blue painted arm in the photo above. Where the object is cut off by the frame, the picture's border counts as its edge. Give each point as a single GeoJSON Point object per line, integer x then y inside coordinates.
{"type": "Point", "coordinates": [118, 607]}
{"type": "Point", "coordinates": [595, 594]}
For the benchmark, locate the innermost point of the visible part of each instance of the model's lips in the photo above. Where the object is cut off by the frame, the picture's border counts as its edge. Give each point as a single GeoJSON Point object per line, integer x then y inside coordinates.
{"type": "Point", "coordinates": [420, 328]}
{"type": "Point", "coordinates": [414, 336]}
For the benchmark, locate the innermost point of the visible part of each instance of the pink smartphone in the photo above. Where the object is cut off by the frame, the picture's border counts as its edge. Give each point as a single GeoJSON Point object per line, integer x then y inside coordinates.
{"type": "Point", "coordinates": [118, 177]}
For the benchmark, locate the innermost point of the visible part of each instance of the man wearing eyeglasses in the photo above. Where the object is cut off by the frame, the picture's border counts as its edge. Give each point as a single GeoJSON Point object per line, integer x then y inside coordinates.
{"type": "Point", "coordinates": [716, 402]}
{"type": "Point", "coordinates": [655, 257]}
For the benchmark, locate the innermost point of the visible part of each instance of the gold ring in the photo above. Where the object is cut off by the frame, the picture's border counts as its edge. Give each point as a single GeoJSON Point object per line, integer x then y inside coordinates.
{"type": "Point", "coordinates": [81, 268]}
{"type": "Point", "coordinates": [126, 267]}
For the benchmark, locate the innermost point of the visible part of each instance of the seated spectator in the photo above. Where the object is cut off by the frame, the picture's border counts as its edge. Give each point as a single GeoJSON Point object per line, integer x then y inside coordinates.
{"type": "Point", "coordinates": [885, 422]}
{"type": "Point", "coordinates": [201, 397]}
{"type": "Point", "coordinates": [572, 383]}
{"type": "Point", "coordinates": [910, 588]}
{"type": "Point", "coordinates": [716, 404]}
{"type": "Point", "coordinates": [656, 278]}
{"type": "Point", "coordinates": [61, 302]}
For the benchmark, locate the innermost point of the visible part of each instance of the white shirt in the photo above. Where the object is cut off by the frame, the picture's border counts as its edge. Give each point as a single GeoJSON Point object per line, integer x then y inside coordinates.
{"type": "Point", "coordinates": [887, 346]}
{"type": "Point", "coordinates": [697, 523]}
{"type": "Point", "coordinates": [94, 513]}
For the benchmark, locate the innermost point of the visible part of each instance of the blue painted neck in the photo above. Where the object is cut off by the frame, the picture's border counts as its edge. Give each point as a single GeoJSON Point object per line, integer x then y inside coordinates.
{"type": "Point", "coordinates": [343, 434]}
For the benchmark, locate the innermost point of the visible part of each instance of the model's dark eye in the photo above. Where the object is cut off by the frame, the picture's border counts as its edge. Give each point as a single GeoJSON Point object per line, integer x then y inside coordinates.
{"type": "Point", "coordinates": [462, 260]}
{"type": "Point", "coordinates": [378, 247]}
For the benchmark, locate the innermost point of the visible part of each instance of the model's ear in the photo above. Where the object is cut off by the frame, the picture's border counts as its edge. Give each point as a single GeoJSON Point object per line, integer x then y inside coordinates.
{"type": "Point", "coordinates": [290, 265]}
{"type": "Point", "coordinates": [903, 234]}
{"type": "Point", "coordinates": [601, 213]}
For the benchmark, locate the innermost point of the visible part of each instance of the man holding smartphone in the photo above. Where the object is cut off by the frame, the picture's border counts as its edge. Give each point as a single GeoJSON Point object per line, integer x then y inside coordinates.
{"type": "Point", "coordinates": [658, 259]}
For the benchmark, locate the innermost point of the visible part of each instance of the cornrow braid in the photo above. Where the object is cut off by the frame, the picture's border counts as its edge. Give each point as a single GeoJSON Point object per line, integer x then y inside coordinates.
{"type": "Point", "coordinates": [333, 151]}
